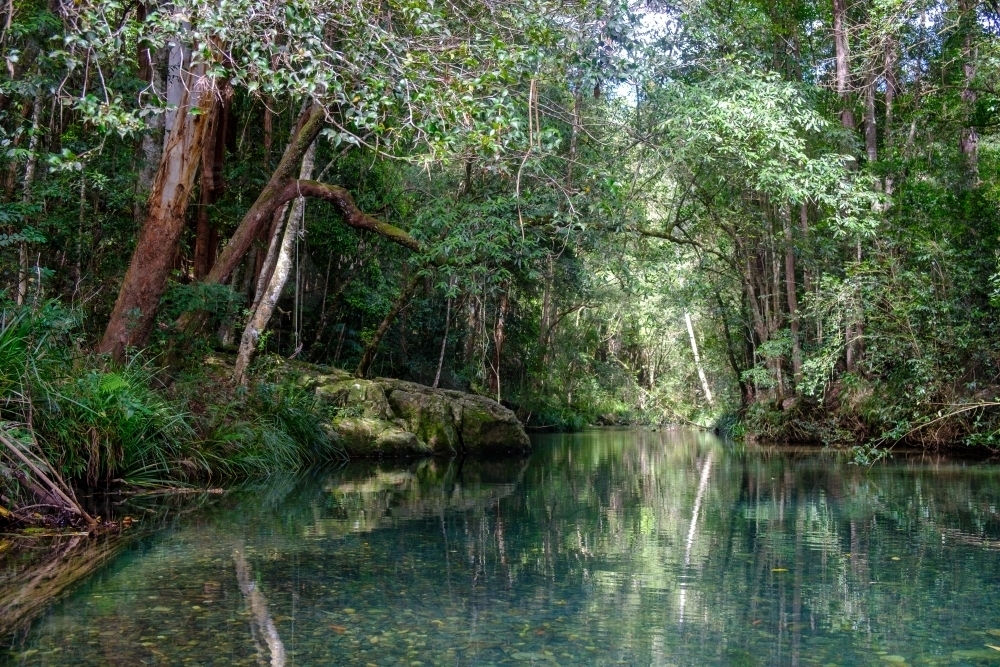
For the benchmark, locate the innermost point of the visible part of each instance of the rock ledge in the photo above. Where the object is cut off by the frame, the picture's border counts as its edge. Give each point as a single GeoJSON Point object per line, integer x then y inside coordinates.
{"type": "Point", "coordinates": [392, 418]}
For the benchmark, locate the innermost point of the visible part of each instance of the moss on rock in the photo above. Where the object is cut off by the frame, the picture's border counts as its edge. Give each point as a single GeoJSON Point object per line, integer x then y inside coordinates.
{"type": "Point", "coordinates": [392, 418]}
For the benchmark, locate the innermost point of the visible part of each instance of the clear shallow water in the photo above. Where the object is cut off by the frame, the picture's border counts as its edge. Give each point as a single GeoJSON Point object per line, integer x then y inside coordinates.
{"type": "Point", "coordinates": [603, 548]}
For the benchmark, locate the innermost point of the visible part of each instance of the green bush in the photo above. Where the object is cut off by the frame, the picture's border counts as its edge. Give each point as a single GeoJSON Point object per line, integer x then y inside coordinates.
{"type": "Point", "coordinates": [107, 424]}
{"type": "Point", "coordinates": [98, 423]}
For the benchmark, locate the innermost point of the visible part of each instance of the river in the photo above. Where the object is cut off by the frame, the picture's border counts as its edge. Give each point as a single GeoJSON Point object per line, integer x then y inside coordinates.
{"type": "Point", "coordinates": [608, 547]}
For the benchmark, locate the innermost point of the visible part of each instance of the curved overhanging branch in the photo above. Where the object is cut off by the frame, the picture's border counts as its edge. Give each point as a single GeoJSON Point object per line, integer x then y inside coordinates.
{"type": "Point", "coordinates": [308, 128]}
{"type": "Point", "coordinates": [351, 215]}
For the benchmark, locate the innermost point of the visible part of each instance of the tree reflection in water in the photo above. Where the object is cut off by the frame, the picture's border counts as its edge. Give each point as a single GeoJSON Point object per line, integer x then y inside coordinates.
{"type": "Point", "coordinates": [606, 547]}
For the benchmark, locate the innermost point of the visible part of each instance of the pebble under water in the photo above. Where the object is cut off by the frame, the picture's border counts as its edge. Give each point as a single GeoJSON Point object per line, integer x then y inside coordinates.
{"type": "Point", "coordinates": [609, 547]}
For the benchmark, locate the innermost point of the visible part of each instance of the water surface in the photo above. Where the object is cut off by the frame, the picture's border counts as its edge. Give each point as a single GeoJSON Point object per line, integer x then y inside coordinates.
{"type": "Point", "coordinates": [604, 548]}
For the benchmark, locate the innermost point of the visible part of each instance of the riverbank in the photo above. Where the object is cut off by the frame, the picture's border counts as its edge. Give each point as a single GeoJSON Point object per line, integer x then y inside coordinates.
{"type": "Point", "coordinates": [80, 424]}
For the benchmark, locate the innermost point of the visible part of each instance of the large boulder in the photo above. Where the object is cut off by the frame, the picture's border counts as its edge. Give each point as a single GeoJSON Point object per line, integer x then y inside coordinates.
{"type": "Point", "coordinates": [488, 427]}
{"type": "Point", "coordinates": [356, 398]}
{"type": "Point", "coordinates": [376, 438]}
{"type": "Point", "coordinates": [430, 416]}
{"type": "Point", "coordinates": [392, 418]}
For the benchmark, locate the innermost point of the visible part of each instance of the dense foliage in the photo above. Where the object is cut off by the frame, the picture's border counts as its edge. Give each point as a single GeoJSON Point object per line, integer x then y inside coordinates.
{"type": "Point", "coordinates": [777, 217]}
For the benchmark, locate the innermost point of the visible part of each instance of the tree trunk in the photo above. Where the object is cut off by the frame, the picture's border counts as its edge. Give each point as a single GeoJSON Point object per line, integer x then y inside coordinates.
{"type": "Point", "coordinates": [404, 298]}
{"type": "Point", "coordinates": [268, 201]}
{"type": "Point", "coordinates": [498, 341]}
{"type": "Point", "coordinates": [254, 224]}
{"type": "Point", "coordinates": [29, 180]}
{"type": "Point", "coordinates": [804, 226]}
{"type": "Point", "coordinates": [472, 329]}
{"type": "Point", "coordinates": [969, 140]}
{"type": "Point", "coordinates": [212, 186]}
{"type": "Point", "coordinates": [444, 342]}
{"type": "Point", "coordinates": [176, 86]}
{"type": "Point", "coordinates": [282, 266]}
{"type": "Point", "coordinates": [146, 279]}
{"type": "Point", "coordinates": [151, 145]}
{"type": "Point", "coordinates": [842, 58]}
{"type": "Point", "coordinates": [697, 360]}
{"type": "Point", "coordinates": [793, 302]}
{"type": "Point", "coordinates": [738, 369]}
{"type": "Point", "coordinates": [891, 90]}
{"type": "Point", "coordinates": [203, 223]}
{"type": "Point", "coordinates": [871, 131]}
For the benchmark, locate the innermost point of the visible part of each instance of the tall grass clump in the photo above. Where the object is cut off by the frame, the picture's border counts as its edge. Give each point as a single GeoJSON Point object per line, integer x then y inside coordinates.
{"type": "Point", "coordinates": [74, 417]}
{"type": "Point", "coordinates": [269, 428]}
{"type": "Point", "coordinates": [100, 425]}
{"type": "Point", "coordinates": [90, 423]}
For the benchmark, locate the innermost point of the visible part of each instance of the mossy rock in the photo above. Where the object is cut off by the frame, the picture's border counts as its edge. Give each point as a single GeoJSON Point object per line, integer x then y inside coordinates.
{"type": "Point", "coordinates": [489, 428]}
{"type": "Point", "coordinates": [366, 437]}
{"type": "Point", "coordinates": [429, 416]}
{"type": "Point", "coordinates": [385, 418]}
{"type": "Point", "coordinates": [358, 398]}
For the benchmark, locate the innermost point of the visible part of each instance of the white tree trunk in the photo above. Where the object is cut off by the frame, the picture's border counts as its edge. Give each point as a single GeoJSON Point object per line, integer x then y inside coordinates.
{"type": "Point", "coordinates": [697, 360]}
{"type": "Point", "coordinates": [268, 297]}
{"type": "Point", "coordinates": [444, 340]}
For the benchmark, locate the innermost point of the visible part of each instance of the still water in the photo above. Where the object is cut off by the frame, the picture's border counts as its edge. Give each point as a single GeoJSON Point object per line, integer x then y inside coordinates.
{"type": "Point", "coordinates": [604, 548]}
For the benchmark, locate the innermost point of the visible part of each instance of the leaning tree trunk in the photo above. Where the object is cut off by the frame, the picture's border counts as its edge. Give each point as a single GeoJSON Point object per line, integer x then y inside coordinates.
{"type": "Point", "coordinates": [146, 279]}
{"type": "Point", "coordinates": [697, 360]}
{"type": "Point", "coordinates": [265, 305]}
{"type": "Point", "coordinates": [262, 212]}
{"type": "Point", "coordinates": [267, 202]}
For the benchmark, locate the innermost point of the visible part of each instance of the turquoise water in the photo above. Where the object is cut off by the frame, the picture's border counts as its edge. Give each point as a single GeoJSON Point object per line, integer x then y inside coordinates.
{"type": "Point", "coordinates": [603, 548]}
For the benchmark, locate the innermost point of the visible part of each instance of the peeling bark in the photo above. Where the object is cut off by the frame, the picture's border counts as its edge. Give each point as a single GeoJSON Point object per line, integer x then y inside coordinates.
{"type": "Point", "coordinates": [145, 281]}
{"type": "Point", "coordinates": [151, 145]}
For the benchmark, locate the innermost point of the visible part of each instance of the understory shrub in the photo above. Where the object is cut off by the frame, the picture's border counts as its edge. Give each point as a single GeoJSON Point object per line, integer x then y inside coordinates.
{"type": "Point", "coordinates": [97, 423]}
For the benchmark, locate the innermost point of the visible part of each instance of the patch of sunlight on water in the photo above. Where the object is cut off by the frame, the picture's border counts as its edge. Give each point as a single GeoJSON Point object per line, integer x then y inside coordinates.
{"type": "Point", "coordinates": [608, 547]}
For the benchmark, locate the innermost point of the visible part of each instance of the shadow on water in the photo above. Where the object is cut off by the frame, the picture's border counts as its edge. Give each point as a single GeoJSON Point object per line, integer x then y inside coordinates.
{"type": "Point", "coordinates": [605, 547]}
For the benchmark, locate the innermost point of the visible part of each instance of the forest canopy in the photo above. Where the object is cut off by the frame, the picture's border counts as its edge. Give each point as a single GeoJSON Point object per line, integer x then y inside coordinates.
{"type": "Point", "coordinates": [777, 218]}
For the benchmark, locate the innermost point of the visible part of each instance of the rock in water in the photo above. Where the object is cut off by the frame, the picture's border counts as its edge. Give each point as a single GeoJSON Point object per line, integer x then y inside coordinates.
{"type": "Point", "coordinates": [392, 418]}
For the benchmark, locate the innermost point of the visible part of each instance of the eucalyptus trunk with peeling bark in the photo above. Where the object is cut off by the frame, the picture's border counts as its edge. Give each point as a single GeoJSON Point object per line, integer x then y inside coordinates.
{"type": "Point", "coordinates": [152, 70]}
{"type": "Point", "coordinates": [145, 281]}
{"type": "Point", "coordinates": [279, 276]}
